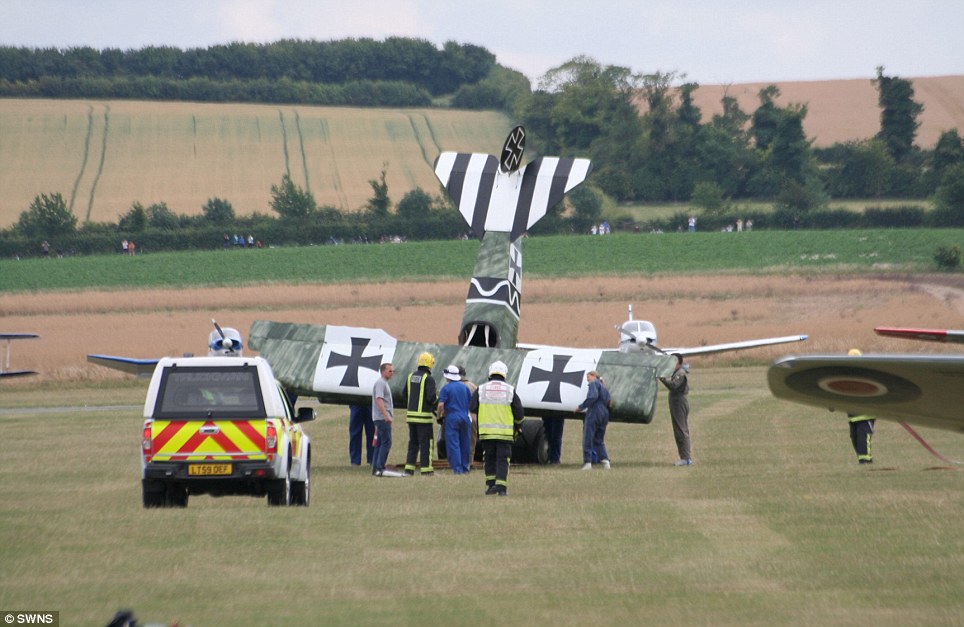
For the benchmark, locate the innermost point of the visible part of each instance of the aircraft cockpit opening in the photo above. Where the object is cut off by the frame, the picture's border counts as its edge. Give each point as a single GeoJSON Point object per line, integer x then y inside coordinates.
{"type": "Point", "coordinates": [479, 334]}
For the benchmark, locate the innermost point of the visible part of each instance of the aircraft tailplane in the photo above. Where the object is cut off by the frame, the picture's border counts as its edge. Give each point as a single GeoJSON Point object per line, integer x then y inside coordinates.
{"type": "Point", "coordinates": [510, 202]}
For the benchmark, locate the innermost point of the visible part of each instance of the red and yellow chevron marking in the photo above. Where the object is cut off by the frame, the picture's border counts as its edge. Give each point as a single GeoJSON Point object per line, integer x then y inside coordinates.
{"type": "Point", "coordinates": [182, 440]}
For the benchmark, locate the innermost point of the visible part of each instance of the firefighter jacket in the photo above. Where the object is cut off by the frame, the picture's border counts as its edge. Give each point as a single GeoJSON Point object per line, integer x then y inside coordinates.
{"type": "Point", "coordinates": [499, 410]}
{"type": "Point", "coordinates": [422, 396]}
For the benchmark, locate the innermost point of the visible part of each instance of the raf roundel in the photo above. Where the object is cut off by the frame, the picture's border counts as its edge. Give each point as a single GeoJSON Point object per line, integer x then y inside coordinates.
{"type": "Point", "coordinates": [854, 384]}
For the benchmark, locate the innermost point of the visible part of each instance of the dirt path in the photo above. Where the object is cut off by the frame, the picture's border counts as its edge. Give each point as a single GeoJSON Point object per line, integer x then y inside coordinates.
{"type": "Point", "coordinates": [837, 313]}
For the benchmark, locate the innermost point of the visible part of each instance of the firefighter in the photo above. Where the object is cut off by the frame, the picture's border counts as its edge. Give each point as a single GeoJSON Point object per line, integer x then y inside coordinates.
{"type": "Point", "coordinates": [422, 399]}
{"type": "Point", "coordinates": [498, 410]}
{"type": "Point", "coordinates": [861, 428]}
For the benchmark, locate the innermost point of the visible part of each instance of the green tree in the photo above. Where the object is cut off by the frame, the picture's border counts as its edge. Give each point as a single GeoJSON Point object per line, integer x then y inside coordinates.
{"type": "Point", "coordinates": [380, 204]}
{"type": "Point", "coordinates": [869, 169]}
{"type": "Point", "coordinates": [415, 204]}
{"type": "Point", "coordinates": [898, 115]}
{"type": "Point", "coordinates": [766, 119]}
{"type": "Point", "coordinates": [135, 220]}
{"type": "Point", "coordinates": [219, 211]}
{"type": "Point", "coordinates": [949, 199]}
{"type": "Point", "coordinates": [160, 216]}
{"type": "Point", "coordinates": [948, 151]}
{"type": "Point", "coordinates": [291, 202]}
{"type": "Point", "coordinates": [586, 208]}
{"type": "Point", "coordinates": [47, 218]}
{"type": "Point", "coordinates": [723, 150]}
{"type": "Point", "coordinates": [709, 197]}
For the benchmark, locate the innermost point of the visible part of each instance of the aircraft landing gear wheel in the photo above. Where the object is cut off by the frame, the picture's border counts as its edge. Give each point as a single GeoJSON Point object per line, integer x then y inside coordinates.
{"type": "Point", "coordinates": [531, 446]}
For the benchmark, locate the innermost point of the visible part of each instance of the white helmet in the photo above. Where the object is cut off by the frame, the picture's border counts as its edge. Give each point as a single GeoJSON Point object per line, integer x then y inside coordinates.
{"type": "Point", "coordinates": [498, 367]}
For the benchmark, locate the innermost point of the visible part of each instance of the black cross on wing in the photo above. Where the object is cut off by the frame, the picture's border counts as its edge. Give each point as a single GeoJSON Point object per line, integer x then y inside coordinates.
{"type": "Point", "coordinates": [556, 377]}
{"type": "Point", "coordinates": [354, 361]}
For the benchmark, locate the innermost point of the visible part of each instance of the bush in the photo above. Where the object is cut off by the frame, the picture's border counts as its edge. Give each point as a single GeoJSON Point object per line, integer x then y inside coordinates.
{"type": "Point", "coordinates": [948, 257]}
{"type": "Point", "coordinates": [899, 217]}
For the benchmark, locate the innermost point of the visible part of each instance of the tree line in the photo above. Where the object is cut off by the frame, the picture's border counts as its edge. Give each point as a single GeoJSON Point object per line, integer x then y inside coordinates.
{"type": "Point", "coordinates": [395, 59]}
{"type": "Point", "coordinates": [646, 138]}
{"type": "Point", "coordinates": [668, 153]}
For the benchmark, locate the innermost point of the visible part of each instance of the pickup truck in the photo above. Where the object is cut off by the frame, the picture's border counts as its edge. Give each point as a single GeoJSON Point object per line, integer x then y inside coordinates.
{"type": "Point", "coordinates": [222, 426]}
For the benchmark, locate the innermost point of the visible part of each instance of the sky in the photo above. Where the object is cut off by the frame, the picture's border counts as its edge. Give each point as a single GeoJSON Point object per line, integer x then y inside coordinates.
{"type": "Point", "coordinates": [705, 41]}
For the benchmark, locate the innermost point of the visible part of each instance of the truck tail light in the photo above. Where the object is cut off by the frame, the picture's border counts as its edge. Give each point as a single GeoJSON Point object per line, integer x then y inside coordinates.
{"type": "Point", "coordinates": [147, 444]}
{"type": "Point", "coordinates": [271, 442]}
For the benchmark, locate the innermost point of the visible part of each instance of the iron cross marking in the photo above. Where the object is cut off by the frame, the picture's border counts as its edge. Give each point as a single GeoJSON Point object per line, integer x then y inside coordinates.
{"type": "Point", "coordinates": [556, 377]}
{"type": "Point", "coordinates": [354, 361]}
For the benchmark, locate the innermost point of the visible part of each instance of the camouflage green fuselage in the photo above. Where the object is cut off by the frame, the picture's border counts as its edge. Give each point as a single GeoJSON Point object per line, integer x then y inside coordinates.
{"type": "Point", "coordinates": [340, 365]}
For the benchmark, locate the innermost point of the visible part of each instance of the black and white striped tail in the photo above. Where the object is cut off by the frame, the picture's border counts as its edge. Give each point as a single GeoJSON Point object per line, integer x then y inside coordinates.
{"type": "Point", "coordinates": [511, 202]}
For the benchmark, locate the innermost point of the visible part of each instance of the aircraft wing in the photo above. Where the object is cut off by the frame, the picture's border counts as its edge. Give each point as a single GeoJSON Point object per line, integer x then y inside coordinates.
{"type": "Point", "coordinates": [5, 371]}
{"type": "Point", "coordinates": [734, 346]}
{"type": "Point", "coordinates": [930, 335]}
{"type": "Point", "coordinates": [17, 336]}
{"type": "Point", "coordinates": [130, 365]}
{"type": "Point", "coordinates": [700, 350]}
{"type": "Point", "coordinates": [921, 389]}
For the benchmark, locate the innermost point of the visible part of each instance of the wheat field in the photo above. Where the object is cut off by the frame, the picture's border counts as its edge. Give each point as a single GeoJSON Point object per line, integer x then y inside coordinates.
{"type": "Point", "coordinates": [103, 156]}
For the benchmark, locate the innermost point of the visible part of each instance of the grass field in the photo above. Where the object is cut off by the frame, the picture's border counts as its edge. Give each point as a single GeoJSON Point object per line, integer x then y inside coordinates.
{"type": "Point", "coordinates": [775, 525]}
{"type": "Point", "coordinates": [903, 250]}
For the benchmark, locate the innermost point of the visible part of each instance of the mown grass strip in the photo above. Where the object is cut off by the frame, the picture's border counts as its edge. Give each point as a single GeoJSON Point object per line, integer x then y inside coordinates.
{"type": "Point", "coordinates": [557, 256]}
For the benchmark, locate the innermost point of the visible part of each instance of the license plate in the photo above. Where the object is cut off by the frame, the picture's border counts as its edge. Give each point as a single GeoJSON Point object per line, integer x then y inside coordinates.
{"type": "Point", "coordinates": [205, 470]}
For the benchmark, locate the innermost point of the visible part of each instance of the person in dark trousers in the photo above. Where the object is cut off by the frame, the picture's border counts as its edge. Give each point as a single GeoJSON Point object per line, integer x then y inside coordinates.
{"type": "Point", "coordinates": [359, 420]}
{"type": "Point", "coordinates": [861, 428]}
{"type": "Point", "coordinates": [422, 399]}
{"type": "Point", "coordinates": [383, 416]}
{"type": "Point", "coordinates": [498, 410]}
{"type": "Point", "coordinates": [596, 408]}
{"type": "Point", "coordinates": [679, 410]}
{"type": "Point", "coordinates": [554, 428]}
{"type": "Point", "coordinates": [861, 433]}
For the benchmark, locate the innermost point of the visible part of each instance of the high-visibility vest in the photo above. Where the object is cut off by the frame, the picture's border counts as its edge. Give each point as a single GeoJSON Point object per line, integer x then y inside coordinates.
{"type": "Point", "coordinates": [495, 411]}
{"type": "Point", "coordinates": [859, 417]}
{"type": "Point", "coordinates": [418, 409]}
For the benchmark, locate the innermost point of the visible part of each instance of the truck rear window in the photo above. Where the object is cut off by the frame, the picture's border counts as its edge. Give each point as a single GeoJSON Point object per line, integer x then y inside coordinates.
{"type": "Point", "coordinates": [209, 393]}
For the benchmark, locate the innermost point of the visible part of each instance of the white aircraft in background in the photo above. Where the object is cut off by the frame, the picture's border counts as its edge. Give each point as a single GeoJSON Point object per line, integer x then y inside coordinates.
{"type": "Point", "coordinates": [224, 342]}
{"type": "Point", "coordinates": [5, 371]}
{"type": "Point", "coordinates": [925, 389]}
{"type": "Point", "coordinates": [640, 335]}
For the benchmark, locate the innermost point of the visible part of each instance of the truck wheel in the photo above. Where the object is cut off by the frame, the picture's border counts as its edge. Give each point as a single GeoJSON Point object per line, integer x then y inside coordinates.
{"type": "Point", "coordinates": [301, 490]}
{"type": "Point", "coordinates": [279, 491]}
{"type": "Point", "coordinates": [153, 493]}
{"type": "Point", "coordinates": [176, 496]}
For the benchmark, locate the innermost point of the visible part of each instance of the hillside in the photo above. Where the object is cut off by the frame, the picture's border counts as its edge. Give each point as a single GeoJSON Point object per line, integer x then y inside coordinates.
{"type": "Point", "coordinates": [844, 110]}
{"type": "Point", "coordinates": [103, 156]}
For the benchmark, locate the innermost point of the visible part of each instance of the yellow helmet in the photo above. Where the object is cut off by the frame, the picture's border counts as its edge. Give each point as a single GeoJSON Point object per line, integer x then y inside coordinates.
{"type": "Point", "coordinates": [854, 352]}
{"type": "Point", "coordinates": [427, 360]}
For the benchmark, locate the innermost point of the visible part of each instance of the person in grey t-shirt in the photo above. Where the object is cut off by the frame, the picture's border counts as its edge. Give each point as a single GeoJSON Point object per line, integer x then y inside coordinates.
{"type": "Point", "coordinates": [382, 415]}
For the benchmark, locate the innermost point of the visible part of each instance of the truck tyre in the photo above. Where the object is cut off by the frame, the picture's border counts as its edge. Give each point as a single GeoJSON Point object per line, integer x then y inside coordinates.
{"type": "Point", "coordinates": [176, 496]}
{"type": "Point", "coordinates": [153, 493]}
{"type": "Point", "coordinates": [279, 490]}
{"type": "Point", "coordinates": [301, 490]}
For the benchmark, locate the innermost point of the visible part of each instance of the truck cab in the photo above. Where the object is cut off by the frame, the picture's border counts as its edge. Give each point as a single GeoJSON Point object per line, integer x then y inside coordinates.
{"type": "Point", "coordinates": [222, 426]}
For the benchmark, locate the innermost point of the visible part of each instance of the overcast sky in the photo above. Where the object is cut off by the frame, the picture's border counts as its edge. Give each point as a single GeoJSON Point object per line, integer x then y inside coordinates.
{"type": "Point", "coordinates": [710, 41]}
